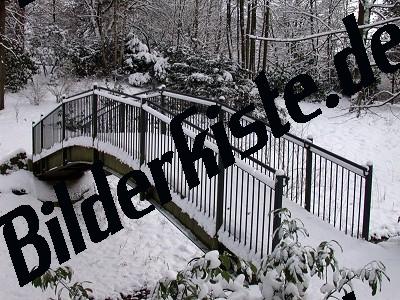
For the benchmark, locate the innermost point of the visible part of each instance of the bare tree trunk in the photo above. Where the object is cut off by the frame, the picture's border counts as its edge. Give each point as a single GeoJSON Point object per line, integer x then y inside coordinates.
{"type": "Point", "coordinates": [361, 15]}
{"type": "Point", "coordinates": [229, 27]}
{"type": "Point", "coordinates": [253, 28]}
{"type": "Point", "coordinates": [238, 45]}
{"type": "Point", "coordinates": [180, 22]}
{"type": "Point", "coordinates": [2, 52]}
{"type": "Point", "coordinates": [115, 32]}
{"type": "Point", "coordinates": [242, 34]}
{"type": "Point", "coordinates": [248, 24]}
{"type": "Point", "coordinates": [266, 33]}
{"type": "Point", "coordinates": [219, 32]}
{"type": "Point", "coordinates": [20, 27]}
{"type": "Point", "coordinates": [196, 24]}
{"type": "Point", "coordinates": [54, 11]}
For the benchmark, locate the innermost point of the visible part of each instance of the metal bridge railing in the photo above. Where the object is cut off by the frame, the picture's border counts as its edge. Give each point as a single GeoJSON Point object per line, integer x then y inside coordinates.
{"type": "Point", "coordinates": [237, 202]}
{"type": "Point", "coordinates": [330, 186]}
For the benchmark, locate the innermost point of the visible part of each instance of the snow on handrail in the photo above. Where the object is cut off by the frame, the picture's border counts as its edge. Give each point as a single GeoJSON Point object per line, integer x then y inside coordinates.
{"type": "Point", "coordinates": [78, 96]}
{"type": "Point", "coordinates": [188, 98]}
{"type": "Point", "coordinates": [132, 100]}
{"type": "Point", "coordinates": [240, 163]}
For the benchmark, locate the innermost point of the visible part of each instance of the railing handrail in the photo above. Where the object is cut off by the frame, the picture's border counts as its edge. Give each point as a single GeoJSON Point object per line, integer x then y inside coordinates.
{"type": "Point", "coordinates": [298, 140]}
{"type": "Point", "coordinates": [344, 162]}
{"type": "Point", "coordinates": [164, 104]}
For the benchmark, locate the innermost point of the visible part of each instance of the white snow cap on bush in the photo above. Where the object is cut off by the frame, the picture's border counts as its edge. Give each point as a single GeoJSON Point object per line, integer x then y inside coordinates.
{"type": "Point", "coordinates": [213, 258]}
{"type": "Point", "coordinates": [139, 79]}
{"type": "Point", "coordinates": [135, 45]}
{"type": "Point", "coordinates": [200, 77]}
{"type": "Point", "coordinates": [227, 76]}
{"type": "Point", "coordinates": [160, 67]}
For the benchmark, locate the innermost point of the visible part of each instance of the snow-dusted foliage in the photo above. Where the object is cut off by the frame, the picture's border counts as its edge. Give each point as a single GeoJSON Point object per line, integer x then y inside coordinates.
{"type": "Point", "coordinates": [59, 280]}
{"type": "Point", "coordinates": [14, 162]}
{"type": "Point", "coordinates": [198, 73]}
{"type": "Point", "coordinates": [212, 276]}
{"type": "Point", "coordinates": [139, 79]}
{"type": "Point", "coordinates": [285, 274]}
{"type": "Point", "coordinates": [20, 68]}
{"type": "Point", "coordinates": [200, 78]}
{"type": "Point", "coordinates": [140, 60]}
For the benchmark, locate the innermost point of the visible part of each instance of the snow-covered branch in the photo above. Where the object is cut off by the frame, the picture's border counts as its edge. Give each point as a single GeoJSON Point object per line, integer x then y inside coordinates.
{"type": "Point", "coordinates": [389, 100]}
{"type": "Point", "coordinates": [321, 34]}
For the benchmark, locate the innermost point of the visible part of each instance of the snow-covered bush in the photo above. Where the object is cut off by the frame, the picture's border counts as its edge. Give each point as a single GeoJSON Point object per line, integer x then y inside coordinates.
{"type": "Point", "coordinates": [36, 91]}
{"type": "Point", "coordinates": [60, 281]}
{"type": "Point", "coordinates": [201, 74]}
{"type": "Point", "coordinates": [139, 79]}
{"type": "Point", "coordinates": [15, 162]}
{"type": "Point", "coordinates": [84, 60]}
{"type": "Point", "coordinates": [283, 275]}
{"type": "Point", "coordinates": [200, 78]}
{"type": "Point", "coordinates": [286, 272]}
{"type": "Point", "coordinates": [210, 277]}
{"type": "Point", "coordinates": [138, 59]}
{"type": "Point", "coordinates": [19, 68]}
{"type": "Point", "coordinates": [59, 86]}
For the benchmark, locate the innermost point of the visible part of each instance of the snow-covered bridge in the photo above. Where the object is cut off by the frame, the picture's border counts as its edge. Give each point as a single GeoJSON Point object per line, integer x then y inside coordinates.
{"type": "Point", "coordinates": [231, 209]}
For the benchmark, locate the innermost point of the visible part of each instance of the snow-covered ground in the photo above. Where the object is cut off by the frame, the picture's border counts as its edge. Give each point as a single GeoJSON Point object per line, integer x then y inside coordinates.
{"type": "Point", "coordinates": [138, 255]}
{"type": "Point", "coordinates": [373, 137]}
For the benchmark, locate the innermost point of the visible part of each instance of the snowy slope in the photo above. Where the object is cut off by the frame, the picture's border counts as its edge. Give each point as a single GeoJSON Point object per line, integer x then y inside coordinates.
{"type": "Point", "coordinates": [139, 254]}
{"type": "Point", "coordinates": [373, 137]}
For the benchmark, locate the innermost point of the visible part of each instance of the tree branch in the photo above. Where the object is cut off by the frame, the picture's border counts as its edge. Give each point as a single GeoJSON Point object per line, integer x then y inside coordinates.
{"type": "Point", "coordinates": [312, 36]}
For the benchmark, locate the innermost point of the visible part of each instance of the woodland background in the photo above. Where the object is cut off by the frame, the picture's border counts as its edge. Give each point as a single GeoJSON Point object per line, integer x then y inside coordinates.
{"type": "Point", "coordinates": [210, 48]}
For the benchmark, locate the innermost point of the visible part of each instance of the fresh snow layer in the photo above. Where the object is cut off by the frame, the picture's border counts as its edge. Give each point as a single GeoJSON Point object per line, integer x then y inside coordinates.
{"type": "Point", "coordinates": [131, 259]}
{"type": "Point", "coordinates": [139, 254]}
{"type": "Point", "coordinates": [373, 137]}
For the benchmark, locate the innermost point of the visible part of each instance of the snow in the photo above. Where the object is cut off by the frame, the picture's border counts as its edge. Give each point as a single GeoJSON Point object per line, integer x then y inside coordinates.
{"type": "Point", "coordinates": [133, 258]}
{"type": "Point", "coordinates": [145, 249]}
{"type": "Point", "coordinates": [374, 137]}
{"type": "Point", "coordinates": [139, 79]}
{"type": "Point", "coordinates": [200, 77]}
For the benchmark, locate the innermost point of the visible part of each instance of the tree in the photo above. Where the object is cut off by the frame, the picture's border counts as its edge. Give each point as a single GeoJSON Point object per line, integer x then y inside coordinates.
{"type": "Point", "coordinates": [2, 52]}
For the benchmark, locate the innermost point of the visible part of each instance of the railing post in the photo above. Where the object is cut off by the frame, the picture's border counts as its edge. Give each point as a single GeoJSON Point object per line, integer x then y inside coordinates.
{"type": "Point", "coordinates": [33, 139]}
{"type": "Point", "coordinates": [163, 125]}
{"type": "Point", "coordinates": [142, 131]}
{"type": "Point", "coordinates": [220, 187]}
{"type": "Point", "coordinates": [367, 201]}
{"type": "Point", "coordinates": [280, 179]}
{"type": "Point", "coordinates": [308, 179]}
{"type": "Point", "coordinates": [94, 121]}
{"type": "Point", "coordinates": [41, 133]}
{"type": "Point", "coordinates": [142, 137]}
{"type": "Point", "coordinates": [121, 122]}
{"type": "Point", "coordinates": [63, 119]}
{"type": "Point", "coordinates": [63, 133]}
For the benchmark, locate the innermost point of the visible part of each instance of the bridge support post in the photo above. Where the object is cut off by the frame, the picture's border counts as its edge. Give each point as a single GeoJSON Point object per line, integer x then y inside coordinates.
{"type": "Point", "coordinates": [163, 125]}
{"type": "Point", "coordinates": [220, 189]}
{"type": "Point", "coordinates": [367, 202]}
{"type": "Point", "coordinates": [308, 179]}
{"type": "Point", "coordinates": [122, 117]}
{"type": "Point", "coordinates": [280, 179]}
{"type": "Point", "coordinates": [94, 121]}
{"type": "Point", "coordinates": [142, 131]}
{"type": "Point", "coordinates": [63, 135]}
{"type": "Point", "coordinates": [142, 140]}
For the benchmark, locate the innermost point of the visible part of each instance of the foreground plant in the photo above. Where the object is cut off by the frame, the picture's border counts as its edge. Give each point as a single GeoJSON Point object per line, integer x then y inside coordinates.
{"type": "Point", "coordinates": [283, 275]}
{"type": "Point", "coordinates": [286, 272]}
{"type": "Point", "coordinates": [60, 280]}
